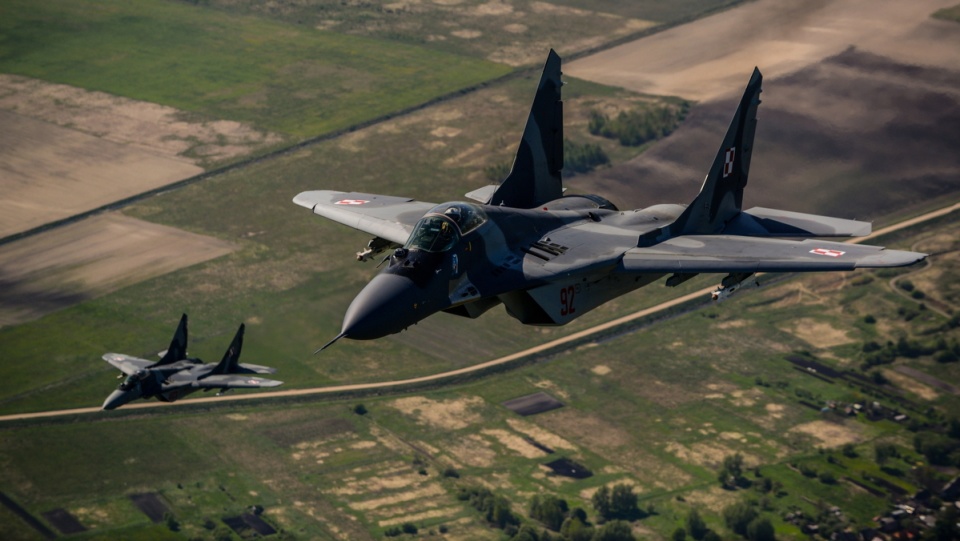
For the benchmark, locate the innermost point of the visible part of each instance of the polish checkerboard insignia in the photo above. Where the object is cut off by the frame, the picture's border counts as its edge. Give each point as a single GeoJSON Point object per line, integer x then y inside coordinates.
{"type": "Point", "coordinates": [352, 202]}
{"type": "Point", "coordinates": [728, 157]}
{"type": "Point", "coordinates": [827, 252]}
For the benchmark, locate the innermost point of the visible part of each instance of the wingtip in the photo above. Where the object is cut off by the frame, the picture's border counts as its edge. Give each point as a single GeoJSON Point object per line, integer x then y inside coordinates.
{"type": "Point", "coordinates": [330, 343]}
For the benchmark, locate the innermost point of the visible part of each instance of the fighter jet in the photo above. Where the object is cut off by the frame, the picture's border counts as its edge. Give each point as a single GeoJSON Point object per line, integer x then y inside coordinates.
{"type": "Point", "coordinates": [175, 375]}
{"type": "Point", "coordinates": [550, 258]}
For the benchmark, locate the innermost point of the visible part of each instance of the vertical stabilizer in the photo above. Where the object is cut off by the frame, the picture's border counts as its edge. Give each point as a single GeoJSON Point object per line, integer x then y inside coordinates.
{"type": "Point", "coordinates": [535, 176]}
{"type": "Point", "coordinates": [230, 362]}
{"type": "Point", "coordinates": [178, 346]}
{"type": "Point", "coordinates": [721, 197]}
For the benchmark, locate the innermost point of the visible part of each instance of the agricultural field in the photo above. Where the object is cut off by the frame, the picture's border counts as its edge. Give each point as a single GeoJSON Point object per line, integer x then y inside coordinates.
{"type": "Point", "coordinates": [515, 33]}
{"type": "Point", "coordinates": [657, 407]}
{"type": "Point", "coordinates": [274, 76]}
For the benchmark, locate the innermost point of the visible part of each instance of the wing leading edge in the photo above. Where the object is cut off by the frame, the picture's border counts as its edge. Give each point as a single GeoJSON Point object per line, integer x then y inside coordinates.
{"type": "Point", "coordinates": [127, 364]}
{"type": "Point", "coordinates": [387, 217]}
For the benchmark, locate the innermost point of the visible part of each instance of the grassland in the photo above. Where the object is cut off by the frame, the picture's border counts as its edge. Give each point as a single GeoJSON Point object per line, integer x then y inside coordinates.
{"type": "Point", "coordinates": [949, 14]}
{"type": "Point", "coordinates": [657, 407]}
{"type": "Point", "coordinates": [298, 81]}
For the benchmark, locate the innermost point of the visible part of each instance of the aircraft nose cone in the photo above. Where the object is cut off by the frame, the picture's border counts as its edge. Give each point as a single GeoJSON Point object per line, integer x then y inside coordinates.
{"type": "Point", "coordinates": [118, 398]}
{"type": "Point", "coordinates": [387, 305]}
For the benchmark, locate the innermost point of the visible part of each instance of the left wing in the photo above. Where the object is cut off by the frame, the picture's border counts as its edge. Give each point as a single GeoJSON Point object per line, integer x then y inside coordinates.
{"type": "Point", "coordinates": [234, 381]}
{"type": "Point", "coordinates": [390, 218]}
{"type": "Point", "coordinates": [127, 364]}
{"type": "Point", "coordinates": [727, 253]}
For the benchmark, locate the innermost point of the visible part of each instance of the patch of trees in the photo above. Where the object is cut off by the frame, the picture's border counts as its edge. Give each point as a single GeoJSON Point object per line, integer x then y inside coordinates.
{"type": "Point", "coordinates": [938, 449]}
{"type": "Point", "coordinates": [731, 472]}
{"type": "Point", "coordinates": [405, 528]}
{"type": "Point", "coordinates": [943, 351]}
{"type": "Point", "coordinates": [582, 157]}
{"type": "Point", "coordinates": [743, 519]}
{"type": "Point", "coordinates": [495, 509]}
{"type": "Point", "coordinates": [908, 286]}
{"type": "Point", "coordinates": [695, 528]}
{"type": "Point", "coordinates": [551, 511]}
{"type": "Point", "coordinates": [884, 451]}
{"type": "Point", "coordinates": [618, 503]}
{"type": "Point", "coordinates": [634, 128]}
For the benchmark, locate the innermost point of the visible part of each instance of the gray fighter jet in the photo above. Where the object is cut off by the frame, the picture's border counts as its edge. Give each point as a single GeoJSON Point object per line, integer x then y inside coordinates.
{"type": "Point", "coordinates": [550, 258]}
{"type": "Point", "coordinates": [176, 375]}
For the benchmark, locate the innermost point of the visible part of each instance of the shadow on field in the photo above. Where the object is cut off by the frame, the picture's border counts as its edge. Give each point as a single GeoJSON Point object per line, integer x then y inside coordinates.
{"type": "Point", "coordinates": [856, 136]}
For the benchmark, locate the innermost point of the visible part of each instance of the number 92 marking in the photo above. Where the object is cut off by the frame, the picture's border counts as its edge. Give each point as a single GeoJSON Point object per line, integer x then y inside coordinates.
{"type": "Point", "coordinates": [567, 295]}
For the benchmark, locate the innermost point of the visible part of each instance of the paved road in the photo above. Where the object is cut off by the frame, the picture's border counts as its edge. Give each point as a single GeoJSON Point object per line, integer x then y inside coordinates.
{"type": "Point", "coordinates": [572, 338]}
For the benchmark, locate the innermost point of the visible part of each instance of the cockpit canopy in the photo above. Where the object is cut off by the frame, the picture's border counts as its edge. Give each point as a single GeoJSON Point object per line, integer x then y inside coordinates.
{"type": "Point", "coordinates": [132, 380]}
{"type": "Point", "coordinates": [441, 228]}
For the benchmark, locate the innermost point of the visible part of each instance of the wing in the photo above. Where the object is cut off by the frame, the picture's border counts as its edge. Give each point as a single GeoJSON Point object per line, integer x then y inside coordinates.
{"type": "Point", "coordinates": [725, 253]}
{"type": "Point", "coordinates": [234, 381]}
{"type": "Point", "coordinates": [390, 218]}
{"type": "Point", "coordinates": [127, 364]}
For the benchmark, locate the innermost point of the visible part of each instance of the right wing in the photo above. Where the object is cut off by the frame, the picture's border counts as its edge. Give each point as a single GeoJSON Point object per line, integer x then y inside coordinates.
{"type": "Point", "coordinates": [387, 217]}
{"type": "Point", "coordinates": [234, 381]}
{"type": "Point", "coordinates": [127, 364]}
{"type": "Point", "coordinates": [724, 253]}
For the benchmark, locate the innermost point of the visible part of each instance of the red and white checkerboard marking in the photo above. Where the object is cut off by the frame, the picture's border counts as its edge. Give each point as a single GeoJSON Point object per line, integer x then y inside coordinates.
{"type": "Point", "coordinates": [728, 161]}
{"type": "Point", "coordinates": [827, 252]}
{"type": "Point", "coordinates": [352, 202]}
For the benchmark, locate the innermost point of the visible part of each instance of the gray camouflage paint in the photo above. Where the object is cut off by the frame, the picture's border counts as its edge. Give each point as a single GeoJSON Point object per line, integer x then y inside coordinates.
{"type": "Point", "coordinates": [175, 375]}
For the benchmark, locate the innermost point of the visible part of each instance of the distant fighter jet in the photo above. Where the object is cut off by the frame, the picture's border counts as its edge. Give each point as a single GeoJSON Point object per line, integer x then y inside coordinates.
{"type": "Point", "coordinates": [550, 258]}
{"type": "Point", "coordinates": [175, 375]}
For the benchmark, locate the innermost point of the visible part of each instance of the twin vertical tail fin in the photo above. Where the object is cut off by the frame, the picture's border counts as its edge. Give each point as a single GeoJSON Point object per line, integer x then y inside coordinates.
{"type": "Point", "coordinates": [230, 364]}
{"type": "Point", "coordinates": [721, 197]}
{"type": "Point", "coordinates": [535, 176]}
{"type": "Point", "coordinates": [178, 346]}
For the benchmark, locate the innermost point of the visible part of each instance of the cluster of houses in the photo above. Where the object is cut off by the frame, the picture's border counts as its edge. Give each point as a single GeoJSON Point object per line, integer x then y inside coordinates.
{"type": "Point", "coordinates": [905, 520]}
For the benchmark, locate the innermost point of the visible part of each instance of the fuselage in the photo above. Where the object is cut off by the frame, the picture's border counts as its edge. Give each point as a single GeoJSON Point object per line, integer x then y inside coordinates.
{"type": "Point", "coordinates": [167, 384]}
{"type": "Point", "coordinates": [545, 265]}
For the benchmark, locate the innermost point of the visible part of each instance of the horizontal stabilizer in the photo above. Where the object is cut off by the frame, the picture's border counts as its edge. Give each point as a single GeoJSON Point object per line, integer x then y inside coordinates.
{"type": "Point", "coordinates": [724, 253]}
{"type": "Point", "coordinates": [763, 222]}
{"type": "Point", "coordinates": [482, 194]}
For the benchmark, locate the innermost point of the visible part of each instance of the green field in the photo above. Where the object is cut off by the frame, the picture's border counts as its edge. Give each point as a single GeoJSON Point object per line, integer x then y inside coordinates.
{"type": "Point", "coordinates": [515, 33]}
{"type": "Point", "coordinates": [656, 404]}
{"type": "Point", "coordinates": [295, 80]}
